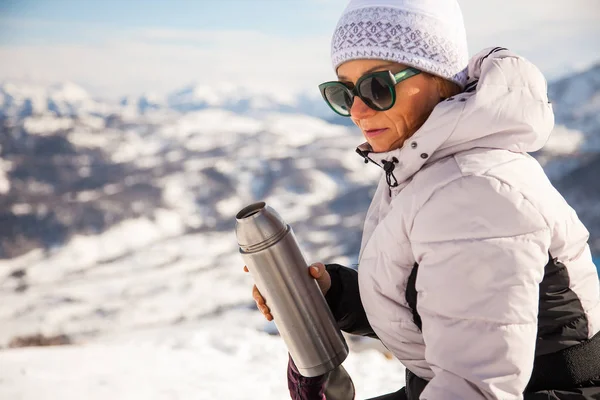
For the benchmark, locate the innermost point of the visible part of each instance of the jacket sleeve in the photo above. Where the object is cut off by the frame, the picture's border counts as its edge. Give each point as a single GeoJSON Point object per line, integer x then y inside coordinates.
{"type": "Point", "coordinates": [305, 388]}
{"type": "Point", "coordinates": [344, 301]}
{"type": "Point", "coordinates": [481, 248]}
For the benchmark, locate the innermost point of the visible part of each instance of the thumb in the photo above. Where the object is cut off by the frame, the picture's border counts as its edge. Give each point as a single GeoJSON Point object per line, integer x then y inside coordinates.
{"type": "Point", "coordinates": [317, 270]}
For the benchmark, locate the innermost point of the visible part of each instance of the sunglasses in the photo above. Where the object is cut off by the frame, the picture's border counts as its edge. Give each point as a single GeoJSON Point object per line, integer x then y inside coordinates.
{"type": "Point", "coordinates": [376, 90]}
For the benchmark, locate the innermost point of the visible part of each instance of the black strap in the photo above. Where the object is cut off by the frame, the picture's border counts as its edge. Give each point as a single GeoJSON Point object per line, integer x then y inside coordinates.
{"type": "Point", "coordinates": [411, 295]}
{"type": "Point", "coordinates": [568, 368]}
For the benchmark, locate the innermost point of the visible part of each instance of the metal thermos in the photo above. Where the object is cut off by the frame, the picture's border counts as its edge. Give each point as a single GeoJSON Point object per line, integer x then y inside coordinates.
{"type": "Point", "coordinates": [300, 312]}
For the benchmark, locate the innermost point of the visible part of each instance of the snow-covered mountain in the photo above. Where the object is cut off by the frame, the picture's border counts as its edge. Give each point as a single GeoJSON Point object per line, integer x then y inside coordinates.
{"type": "Point", "coordinates": [116, 222]}
{"type": "Point", "coordinates": [63, 99]}
{"type": "Point", "coordinates": [20, 100]}
{"type": "Point", "coordinates": [202, 165]}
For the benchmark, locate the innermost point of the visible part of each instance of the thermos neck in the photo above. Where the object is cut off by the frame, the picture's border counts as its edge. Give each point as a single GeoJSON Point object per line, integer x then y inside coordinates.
{"type": "Point", "coordinates": [258, 226]}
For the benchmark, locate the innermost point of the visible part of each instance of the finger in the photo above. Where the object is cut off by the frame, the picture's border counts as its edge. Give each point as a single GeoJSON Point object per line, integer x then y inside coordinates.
{"type": "Point", "coordinates": [265, 310]}
{"type": "Point", "coordinates": [257, 296]}
{"type": "Point", "coordinates": [246, 269]}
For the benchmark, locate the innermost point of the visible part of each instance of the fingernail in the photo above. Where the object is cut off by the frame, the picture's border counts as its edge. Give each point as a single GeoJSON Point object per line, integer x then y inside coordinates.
{"type": "Point", "coordinates": [316, 269]}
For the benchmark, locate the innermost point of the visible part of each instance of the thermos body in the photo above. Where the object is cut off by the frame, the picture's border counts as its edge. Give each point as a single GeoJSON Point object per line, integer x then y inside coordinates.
{"type": "Point", "coordinates": [300, 312]}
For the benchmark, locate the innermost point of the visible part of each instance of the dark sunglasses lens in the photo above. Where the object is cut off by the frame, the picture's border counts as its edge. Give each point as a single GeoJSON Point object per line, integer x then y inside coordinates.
{"type": "Point", "coordinates": [376, 93]}
{"type": "Point", "coordinates": [339, 99]}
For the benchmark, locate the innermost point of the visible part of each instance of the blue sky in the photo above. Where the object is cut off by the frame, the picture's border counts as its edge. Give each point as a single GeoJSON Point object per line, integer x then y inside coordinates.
{"type": "Point", "coordinates": [288, 18]}
{"type": "Point", "coordinates": [113, 47]}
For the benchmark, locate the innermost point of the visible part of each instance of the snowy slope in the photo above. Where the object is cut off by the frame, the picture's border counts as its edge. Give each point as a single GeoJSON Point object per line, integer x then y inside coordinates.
{"type": "Point", "coordinates": [119, 234]}
{"type": "Point", "coordinates": [167, 213]}
{"type": "Point", "coordinates": [216, 359]}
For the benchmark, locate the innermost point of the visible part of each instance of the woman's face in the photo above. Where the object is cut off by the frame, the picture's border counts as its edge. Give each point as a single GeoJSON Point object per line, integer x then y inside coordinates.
{"type": "Point", "coordinates": [415, 99]}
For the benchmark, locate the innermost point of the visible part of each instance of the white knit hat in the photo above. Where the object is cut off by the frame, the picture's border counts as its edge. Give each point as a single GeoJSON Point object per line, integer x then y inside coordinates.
{"type": "Point", "coordinates": [426, 34]}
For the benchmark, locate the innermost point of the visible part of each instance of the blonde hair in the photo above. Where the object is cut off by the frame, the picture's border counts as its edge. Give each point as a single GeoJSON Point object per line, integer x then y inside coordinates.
{"type": "Point", "coordinates": [447, 88]}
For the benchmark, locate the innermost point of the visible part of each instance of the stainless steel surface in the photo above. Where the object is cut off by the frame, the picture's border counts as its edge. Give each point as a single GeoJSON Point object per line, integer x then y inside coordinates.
{"type": "Point", "coordinates": [300, 312]}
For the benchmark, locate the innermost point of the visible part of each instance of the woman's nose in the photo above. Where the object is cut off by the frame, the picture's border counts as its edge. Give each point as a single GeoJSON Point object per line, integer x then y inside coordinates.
{"type": "Point", "coordinates": [360, 110]}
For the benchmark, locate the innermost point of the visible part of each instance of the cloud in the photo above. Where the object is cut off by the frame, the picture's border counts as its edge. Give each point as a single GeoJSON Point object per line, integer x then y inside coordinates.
{"type": "Point", "coordinates": [113, 61]}
{"type": "Point", "coordinates": [558, 39]}
{"type": "Point", "coordinates": [162, 60]}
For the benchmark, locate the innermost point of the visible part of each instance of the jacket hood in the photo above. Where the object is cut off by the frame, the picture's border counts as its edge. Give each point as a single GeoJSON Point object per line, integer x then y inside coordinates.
{"type": "Point", "coordinates": [504, 106]}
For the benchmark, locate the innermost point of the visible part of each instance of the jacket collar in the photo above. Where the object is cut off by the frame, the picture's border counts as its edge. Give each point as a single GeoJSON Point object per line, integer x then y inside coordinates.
{"type": "Point", "coordinates": [504, 106]}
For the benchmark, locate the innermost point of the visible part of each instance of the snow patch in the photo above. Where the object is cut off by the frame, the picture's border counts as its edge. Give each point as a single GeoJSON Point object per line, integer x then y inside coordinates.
{"type": "Point", "coordinates": [47, 125]}
{"type": "Point", "coordinates": [5, 167]}
{"type": "Point", "coordinates": [563, 140]}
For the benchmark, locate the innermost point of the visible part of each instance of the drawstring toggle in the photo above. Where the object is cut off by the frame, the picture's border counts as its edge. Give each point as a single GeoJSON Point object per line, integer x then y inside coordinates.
{"type": "Point", "coordinates": [388, 167]}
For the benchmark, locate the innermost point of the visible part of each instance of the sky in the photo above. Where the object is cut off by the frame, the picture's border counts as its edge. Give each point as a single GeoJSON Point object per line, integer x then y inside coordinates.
{"type": "Point", "coordinates": [129, 47]}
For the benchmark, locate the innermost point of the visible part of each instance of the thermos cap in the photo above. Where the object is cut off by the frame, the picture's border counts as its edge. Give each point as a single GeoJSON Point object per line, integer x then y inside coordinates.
{"type": "Point", "coordinates": [258, 225]}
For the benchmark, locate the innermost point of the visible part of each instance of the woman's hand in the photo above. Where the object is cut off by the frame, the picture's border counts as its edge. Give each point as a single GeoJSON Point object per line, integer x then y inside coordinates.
{"type": "Point", "coordinates": [316, 270]}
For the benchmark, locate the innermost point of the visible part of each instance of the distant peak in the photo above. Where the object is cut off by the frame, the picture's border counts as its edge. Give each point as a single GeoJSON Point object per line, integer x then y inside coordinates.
{"type": "Point", "coordinates": [68, 91]}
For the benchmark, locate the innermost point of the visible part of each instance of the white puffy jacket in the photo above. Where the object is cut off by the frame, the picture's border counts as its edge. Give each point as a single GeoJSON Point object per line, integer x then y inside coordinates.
{"type": "Point", "coordinates": [480, 218]}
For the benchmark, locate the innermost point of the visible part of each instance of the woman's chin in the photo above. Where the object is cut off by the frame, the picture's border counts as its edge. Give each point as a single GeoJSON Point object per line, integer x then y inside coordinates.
{"type": "Point", "coordinates": [379, 147]}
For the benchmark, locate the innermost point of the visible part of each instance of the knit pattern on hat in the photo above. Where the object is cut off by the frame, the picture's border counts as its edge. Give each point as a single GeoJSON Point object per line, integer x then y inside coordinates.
{"type": "Point", "coordinates": [408, 37]}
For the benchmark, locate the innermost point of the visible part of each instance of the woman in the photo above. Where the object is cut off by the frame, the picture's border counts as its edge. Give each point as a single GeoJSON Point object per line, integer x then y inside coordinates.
{"type": "Point", "coordinates": [473, 271]}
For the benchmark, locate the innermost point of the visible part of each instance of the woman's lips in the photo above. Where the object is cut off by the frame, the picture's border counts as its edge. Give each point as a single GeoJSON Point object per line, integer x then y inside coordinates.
{"type": "Point", "coordinates": [375, 132]}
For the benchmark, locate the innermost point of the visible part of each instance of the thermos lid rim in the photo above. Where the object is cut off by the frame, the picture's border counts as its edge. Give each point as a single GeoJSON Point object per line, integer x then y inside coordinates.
{"type": "Point", "coordinates": [250, 210]}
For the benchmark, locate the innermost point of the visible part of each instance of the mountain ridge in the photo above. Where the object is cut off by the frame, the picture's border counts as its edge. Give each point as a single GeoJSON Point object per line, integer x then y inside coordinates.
{"type": "Point", "coordinates": [102, 163]}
